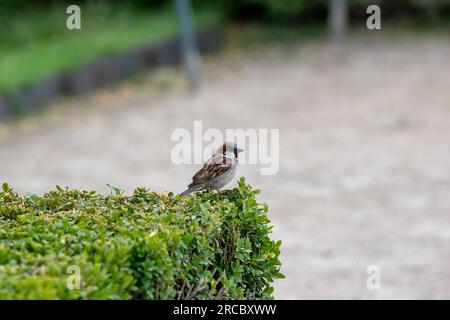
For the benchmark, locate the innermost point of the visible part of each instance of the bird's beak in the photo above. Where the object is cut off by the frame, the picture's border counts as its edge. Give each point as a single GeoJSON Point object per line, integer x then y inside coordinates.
{"type": "Point", "coordinates": [239, 150]}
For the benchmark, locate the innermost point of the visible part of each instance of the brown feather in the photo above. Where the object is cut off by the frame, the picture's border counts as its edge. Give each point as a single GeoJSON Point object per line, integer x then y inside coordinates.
{"type": "Point", "coordinates": [214, 167]}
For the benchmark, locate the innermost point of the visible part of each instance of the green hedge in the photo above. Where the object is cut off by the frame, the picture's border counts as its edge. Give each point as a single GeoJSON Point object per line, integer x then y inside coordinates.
{"type": "Point", "coordinates": [143, 246]}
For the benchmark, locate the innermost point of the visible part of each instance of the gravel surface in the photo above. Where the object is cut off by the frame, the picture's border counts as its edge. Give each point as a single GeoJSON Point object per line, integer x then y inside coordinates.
{"type": "Point", "coordinates": [364, 154]}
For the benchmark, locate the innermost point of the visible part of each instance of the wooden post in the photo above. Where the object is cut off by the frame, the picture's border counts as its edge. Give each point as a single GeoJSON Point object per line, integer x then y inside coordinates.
{"type": "Point", "coordinates": [337, 19]}
{"type": "Point", "coordinates": [188, 42]}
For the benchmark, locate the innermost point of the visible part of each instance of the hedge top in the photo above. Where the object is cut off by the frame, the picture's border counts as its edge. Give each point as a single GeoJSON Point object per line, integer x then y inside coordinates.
{"type": "Point", "coordinates": [71, 244]}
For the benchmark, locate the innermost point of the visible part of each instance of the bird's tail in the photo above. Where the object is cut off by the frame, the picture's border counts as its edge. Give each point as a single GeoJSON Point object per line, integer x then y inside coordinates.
{"type": "Point", "coordinates": [189, 190]}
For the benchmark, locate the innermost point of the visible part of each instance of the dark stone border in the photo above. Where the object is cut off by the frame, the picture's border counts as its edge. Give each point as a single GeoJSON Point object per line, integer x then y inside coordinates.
{"type": "Point", "coordinates": [101, 72]}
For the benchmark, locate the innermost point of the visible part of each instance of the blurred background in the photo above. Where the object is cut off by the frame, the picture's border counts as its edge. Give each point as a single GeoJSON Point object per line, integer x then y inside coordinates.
{"type": "Point", "coordinates": [364, 119]}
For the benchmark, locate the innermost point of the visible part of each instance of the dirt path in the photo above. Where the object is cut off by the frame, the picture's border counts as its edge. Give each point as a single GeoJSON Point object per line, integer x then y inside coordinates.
{"type": "Point", "coordinates": [365, 155]}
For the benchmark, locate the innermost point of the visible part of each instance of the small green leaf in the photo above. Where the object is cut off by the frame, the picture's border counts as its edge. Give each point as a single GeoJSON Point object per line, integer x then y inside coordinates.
{"type": "Point", "coordinates": [5, 187]}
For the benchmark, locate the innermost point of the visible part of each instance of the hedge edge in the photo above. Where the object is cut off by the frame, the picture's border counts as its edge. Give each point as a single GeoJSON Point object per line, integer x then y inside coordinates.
{"type": "Point", "coordinates": [70, 244]}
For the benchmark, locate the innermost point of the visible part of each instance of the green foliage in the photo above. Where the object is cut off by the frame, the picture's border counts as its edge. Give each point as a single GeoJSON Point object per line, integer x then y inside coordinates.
{"type": "Point", "coordinates": [36, 43]}
{"type": "Point", "coordinates": [143, 246]}
{"type": "Point", "coordinates": [303, 11]}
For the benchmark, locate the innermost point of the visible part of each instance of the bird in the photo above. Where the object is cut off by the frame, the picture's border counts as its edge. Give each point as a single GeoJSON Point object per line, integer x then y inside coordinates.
{"type": "Point", "coordinates": [217, 171]}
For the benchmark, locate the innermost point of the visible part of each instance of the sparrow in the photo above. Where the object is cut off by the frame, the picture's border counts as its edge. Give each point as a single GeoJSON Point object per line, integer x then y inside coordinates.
{"type": "Point", "coordinates": [217, 171]}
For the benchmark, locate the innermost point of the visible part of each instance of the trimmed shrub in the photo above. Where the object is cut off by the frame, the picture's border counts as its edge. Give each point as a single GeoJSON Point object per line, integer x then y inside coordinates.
{"type": "Point", "coordinates": [143, 246]}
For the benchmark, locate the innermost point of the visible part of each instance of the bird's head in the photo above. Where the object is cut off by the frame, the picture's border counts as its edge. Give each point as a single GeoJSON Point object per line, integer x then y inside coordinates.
{"type": "Point", "coordinates": [229, 149]}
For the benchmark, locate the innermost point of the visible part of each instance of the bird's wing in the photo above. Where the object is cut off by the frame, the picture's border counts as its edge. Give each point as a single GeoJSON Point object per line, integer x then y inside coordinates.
{"type": "Point", "coordinates": [214, 167]}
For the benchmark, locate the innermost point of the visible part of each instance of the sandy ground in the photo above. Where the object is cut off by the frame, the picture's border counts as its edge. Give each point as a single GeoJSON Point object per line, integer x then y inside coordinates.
{"type": "Point", "coordinates": [364, 154]}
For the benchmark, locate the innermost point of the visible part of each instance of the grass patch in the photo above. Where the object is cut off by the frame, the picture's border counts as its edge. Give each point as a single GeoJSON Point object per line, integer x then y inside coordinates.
{"type": "Point", "coordinates": [36, 44]}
